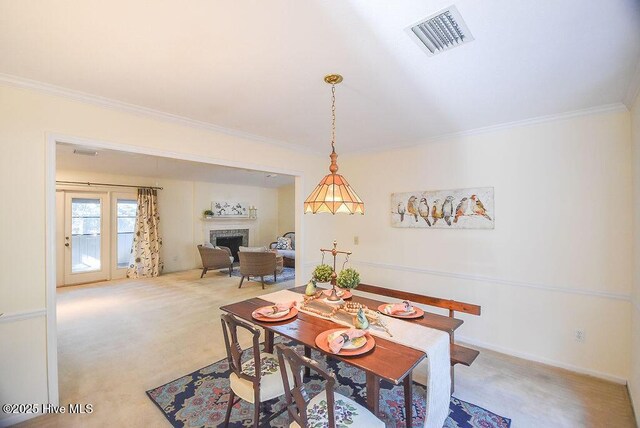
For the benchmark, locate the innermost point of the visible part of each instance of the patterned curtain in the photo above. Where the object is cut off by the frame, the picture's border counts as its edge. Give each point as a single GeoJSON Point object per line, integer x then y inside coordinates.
{"type": "Point", "coordinates": [145, 251]}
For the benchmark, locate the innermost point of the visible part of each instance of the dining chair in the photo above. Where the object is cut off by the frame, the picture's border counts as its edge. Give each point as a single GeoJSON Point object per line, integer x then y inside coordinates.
{"type": "Point", "coordinates": [327, 408]}
{"type": "Point", "coordinates": [247, 383]}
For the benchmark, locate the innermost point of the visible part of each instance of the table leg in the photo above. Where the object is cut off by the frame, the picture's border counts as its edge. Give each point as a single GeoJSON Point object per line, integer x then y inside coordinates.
{"type": "Point", "coordinates": [408, 399]}
{"type": "Point", "coordinates": [307, 353]}
{"type": "Point", "coordinates": [373, 393]}
{"type": "Point", "coordinates": [268, 341]}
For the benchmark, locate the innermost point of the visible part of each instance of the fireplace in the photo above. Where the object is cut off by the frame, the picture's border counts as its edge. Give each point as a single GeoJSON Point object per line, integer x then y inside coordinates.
{"type": "Point", "coordinates": [231, 242]}
{"type": "Point", "coordinates": [231, 238]}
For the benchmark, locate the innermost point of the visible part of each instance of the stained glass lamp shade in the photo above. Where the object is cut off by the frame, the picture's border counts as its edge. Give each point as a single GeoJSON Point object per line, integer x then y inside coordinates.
{"type": "Point", "coordinates": [334, 195]}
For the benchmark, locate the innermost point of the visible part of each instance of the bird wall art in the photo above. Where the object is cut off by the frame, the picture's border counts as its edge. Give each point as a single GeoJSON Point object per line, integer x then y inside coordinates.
{"type": "Point", "coordinates": [444, 209]}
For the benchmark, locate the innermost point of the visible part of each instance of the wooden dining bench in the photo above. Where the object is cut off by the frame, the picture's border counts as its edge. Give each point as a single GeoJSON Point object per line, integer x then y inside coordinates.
{"type": "Point", "coordinates": [459, 354]}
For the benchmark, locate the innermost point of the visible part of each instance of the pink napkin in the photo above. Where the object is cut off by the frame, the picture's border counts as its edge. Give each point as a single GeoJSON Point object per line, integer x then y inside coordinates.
{"type": "Point", "coordinates": [337, 343]}
{"type": "Point", "coordinates": [399, 308]}
{"type": "Point", "coordinates": [279, 307]}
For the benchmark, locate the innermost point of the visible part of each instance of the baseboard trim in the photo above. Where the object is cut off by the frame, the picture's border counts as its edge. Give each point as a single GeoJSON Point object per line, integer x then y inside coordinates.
{"type": "Point", "coordinates": [22, 315]}
{"type": "Point", "coordinates": [542, 360]}
{"type": "Point", "coordinates": [480, 278]}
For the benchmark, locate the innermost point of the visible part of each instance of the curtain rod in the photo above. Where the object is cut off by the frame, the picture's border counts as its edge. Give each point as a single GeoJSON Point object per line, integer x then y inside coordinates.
{"type": "Point", "coordinates": [90, 183]}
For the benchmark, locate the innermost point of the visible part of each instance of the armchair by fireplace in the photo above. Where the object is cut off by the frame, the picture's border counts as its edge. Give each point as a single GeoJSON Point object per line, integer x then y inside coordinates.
{"type": "Point", "coordinates": [289, 255]}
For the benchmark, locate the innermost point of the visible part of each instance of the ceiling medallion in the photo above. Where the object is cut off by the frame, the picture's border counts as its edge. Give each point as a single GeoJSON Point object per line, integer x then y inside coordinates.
{"type": "Point", "coordinates": [333, 194]}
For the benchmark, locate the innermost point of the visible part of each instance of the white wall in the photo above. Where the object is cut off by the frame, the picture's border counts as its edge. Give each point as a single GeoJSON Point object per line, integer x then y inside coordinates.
{"type": "Point", "coordinates": [27, 118]}
{"type": "Point", "coordinates": [286, 209]}
{"type": "Point", "coordinates": [559, 258]}
{"type": "Point", "coordinates": [634, 379]}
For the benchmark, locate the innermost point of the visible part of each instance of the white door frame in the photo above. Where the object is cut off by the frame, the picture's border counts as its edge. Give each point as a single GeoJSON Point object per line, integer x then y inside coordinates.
{"type": "Point", "coordinates": [50, 225]}
{"type": "Point", "coordinates": [104, 273]}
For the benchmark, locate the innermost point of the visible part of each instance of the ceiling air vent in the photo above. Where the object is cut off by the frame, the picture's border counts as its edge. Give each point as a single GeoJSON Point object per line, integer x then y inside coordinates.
{"type": "Point", "coordinates": [441, 31]}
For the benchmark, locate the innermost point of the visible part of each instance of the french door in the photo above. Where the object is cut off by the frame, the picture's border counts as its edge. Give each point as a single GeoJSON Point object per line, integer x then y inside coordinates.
{"type": "Point", "coordinates": [86, 239]}
{"type": "Point", "coordinates": [124, 208]}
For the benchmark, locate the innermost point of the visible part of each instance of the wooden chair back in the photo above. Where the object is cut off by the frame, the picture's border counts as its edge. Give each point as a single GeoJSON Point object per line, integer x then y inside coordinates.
{"type": "Point", "coordinates": [296, 395]}
{"type": "Point", "coordinates": [451, 305]}
{"type": "Point", "coordinates": [257, 263]}
{"type": "Point", "coordinates": [230, 325]}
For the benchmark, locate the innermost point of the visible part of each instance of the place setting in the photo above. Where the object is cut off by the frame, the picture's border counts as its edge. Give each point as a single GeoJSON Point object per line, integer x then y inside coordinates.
{"type": "Point", "coordinates": [276, 312]}
{"type": "Point", "coordinates": [403, 310]}
{"type": "Point", "coordinates": [345, 342]}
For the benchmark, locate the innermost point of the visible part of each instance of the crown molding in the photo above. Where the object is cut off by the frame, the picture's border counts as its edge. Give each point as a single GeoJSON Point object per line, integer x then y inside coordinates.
{"type": "Point", "coordinates": [71, 94]}
{"type": "Point", "coordinates": [22, 83]}
{"type": "Point", "coordinates": [606, 108]}
{"type": "Point", "coordinates": [633, 89]}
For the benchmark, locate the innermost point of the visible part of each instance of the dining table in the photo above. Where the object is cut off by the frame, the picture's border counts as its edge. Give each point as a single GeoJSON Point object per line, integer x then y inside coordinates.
{"type": "Point", "coordinates": [388, 360]}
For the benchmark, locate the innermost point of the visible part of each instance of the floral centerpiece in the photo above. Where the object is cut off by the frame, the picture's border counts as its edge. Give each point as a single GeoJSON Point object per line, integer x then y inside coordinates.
{"type": "Point", "coordinates": [348, 278]}
{"type": "Point", "coordinates": [322, 273]}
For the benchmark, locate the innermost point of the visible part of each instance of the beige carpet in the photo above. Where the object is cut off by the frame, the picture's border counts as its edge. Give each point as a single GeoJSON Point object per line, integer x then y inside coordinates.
{"type": "Point", "coordinates": [118, 339]}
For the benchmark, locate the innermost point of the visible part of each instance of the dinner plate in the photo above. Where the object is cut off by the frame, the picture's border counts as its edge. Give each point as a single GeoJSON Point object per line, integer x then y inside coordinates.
{"type": "Point", "coordinates": [355, 343]}
{"type": "Point", "coordinates": [287, 315]}
{"type": "Point", "coordinates": [417, 312]}
{"type": "Point", "coordinates": [322, 342]}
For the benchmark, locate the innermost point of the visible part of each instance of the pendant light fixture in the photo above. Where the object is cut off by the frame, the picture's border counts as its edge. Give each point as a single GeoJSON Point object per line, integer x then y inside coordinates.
{"type": "Point", "coordinates": [333, 194]}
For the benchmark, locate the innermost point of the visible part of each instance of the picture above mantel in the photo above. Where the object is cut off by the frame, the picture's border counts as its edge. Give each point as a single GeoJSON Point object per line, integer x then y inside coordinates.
{"type": "Point", "coordinates": [230, 210]}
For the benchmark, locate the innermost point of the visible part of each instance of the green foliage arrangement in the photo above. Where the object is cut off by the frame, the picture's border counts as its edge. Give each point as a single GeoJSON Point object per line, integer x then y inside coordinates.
{"type": "Point", "coordinates": [322, 273]}
{"type": "Point", "coordinates": [348, 278]}
{"type": "Point", "coordinates": [208, 213]}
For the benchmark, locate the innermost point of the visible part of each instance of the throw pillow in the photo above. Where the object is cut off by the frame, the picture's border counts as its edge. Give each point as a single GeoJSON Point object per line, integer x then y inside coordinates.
{"type": "Point", "coordinates": [208, 245]}
{"type": "Point", "coordinates": [283, 244]}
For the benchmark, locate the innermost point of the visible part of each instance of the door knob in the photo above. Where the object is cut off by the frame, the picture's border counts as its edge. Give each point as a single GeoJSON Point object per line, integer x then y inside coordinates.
{"type": "Point", "coordinates": [66, 244]}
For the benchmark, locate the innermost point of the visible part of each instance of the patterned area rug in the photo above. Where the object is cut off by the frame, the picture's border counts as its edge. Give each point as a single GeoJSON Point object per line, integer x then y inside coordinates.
{"type": "Point", "coordinates": [200, 400]}
{"type": "Point", "coordinates": [286, 275]}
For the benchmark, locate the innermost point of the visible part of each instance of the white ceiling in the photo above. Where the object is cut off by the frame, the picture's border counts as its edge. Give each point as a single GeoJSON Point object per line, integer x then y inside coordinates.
{"type": "Point", "coordinates": [257, 66]}
{"type": "Point", "coordinates": [139, 165]}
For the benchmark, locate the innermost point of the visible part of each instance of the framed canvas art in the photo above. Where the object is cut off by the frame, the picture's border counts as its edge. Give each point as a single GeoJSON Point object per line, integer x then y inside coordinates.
{"type": "Point", "coordinates": [230, 209]}
{"type": "Point", "coordinates": [444, 209]}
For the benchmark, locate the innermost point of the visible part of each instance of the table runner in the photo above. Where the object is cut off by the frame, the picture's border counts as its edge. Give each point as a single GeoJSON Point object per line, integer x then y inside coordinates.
{"type": "Point", "coordinates": [434, 343]}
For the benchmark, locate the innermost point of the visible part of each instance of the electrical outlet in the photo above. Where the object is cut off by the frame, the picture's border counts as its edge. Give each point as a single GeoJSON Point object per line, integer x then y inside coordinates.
{"type": "Point", "coordinates": [356, 240]}
{"type": "Point", "coordinates": [580, 335]}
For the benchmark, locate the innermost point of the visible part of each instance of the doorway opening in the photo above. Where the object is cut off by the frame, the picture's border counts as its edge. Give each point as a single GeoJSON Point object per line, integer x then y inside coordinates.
{"type": "Point", "coordinates": [97, 221]}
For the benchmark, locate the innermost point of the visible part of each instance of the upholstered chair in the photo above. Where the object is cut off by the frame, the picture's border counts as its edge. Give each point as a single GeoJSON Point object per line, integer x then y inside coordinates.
{"type": "Point", "coordinates": [215, 258]}
{"type": "Point", "coordinates": [326, 408]}
{"type": "Point", "coordinates": [289, 255]}
{"type": "Point", "coordinates": [247, 383]}
{"type": "Point", "coordinates": [259, 264]}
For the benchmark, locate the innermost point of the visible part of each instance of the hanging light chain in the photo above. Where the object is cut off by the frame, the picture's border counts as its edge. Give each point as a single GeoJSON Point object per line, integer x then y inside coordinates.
{"type": "Point", "coordinates": [333, 117]}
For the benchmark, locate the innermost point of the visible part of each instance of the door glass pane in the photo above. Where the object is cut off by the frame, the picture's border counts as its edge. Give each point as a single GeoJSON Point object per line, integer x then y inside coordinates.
{"type": "Point", "coordinates": [85, 234]}
{"type": "Point", "coordinates": [126, 220]}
